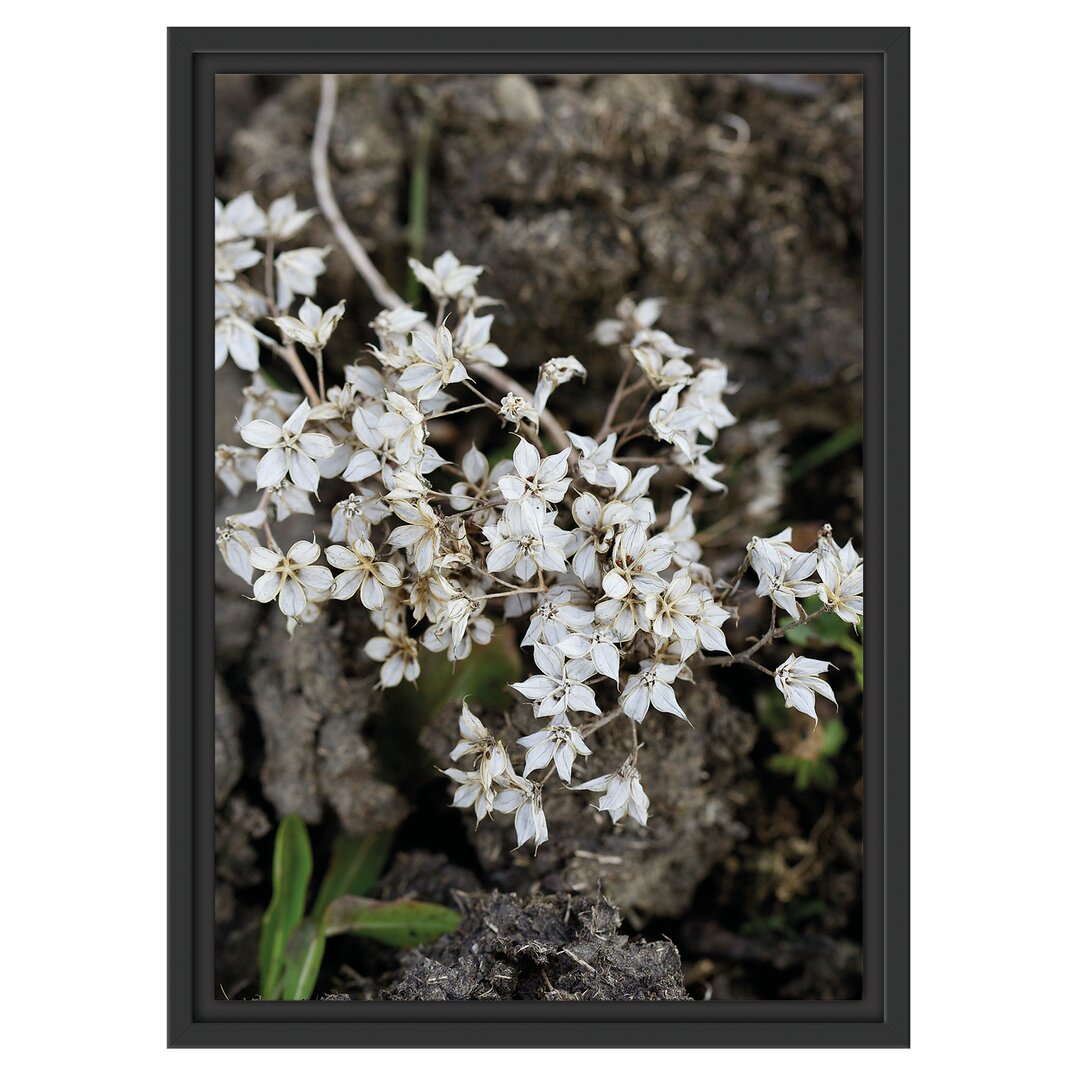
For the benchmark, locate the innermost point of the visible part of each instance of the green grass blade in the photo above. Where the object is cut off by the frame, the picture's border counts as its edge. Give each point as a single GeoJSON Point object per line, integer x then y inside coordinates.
{"type": "Point", "coordinates": [402, 923]}
{"type": "Point", "coordinates": [302, 960]}
{"type": "Point", "coordinates": [355, 866]}
{"type": "Point", "coordinates": [838, 443]}
{"type": "Point", "coordinates": [291, 875]}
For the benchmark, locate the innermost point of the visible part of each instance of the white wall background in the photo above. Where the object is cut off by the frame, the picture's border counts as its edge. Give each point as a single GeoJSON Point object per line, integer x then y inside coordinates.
{"type": "Point", "coordinates": [994, 579]}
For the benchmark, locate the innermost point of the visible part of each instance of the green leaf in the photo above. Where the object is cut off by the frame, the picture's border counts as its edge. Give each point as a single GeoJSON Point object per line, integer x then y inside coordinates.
{"type": "Point", "coordinates": [291, 875]}
{"type": "Point", "coordinates": [303, 958]}
{"type": "Point", "coordinates": [355, 866]}
{"type": "Point", "coordinates": [401, 923]}
{"type": "Point", "coordinates": [783, 763]}
{"type": "Point", "coordinates": [827, 629]}
{"type": "Point", "coordinates": [832, 738]}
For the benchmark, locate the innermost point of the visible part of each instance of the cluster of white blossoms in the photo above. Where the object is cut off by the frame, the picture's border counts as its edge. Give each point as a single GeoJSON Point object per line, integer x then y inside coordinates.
{"type": "Point", "coordinates": [612, 596]}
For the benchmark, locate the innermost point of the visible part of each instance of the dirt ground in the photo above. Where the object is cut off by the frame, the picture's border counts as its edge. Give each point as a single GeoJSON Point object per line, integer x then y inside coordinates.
{"type": "Point", "coordinates": [739, 200]}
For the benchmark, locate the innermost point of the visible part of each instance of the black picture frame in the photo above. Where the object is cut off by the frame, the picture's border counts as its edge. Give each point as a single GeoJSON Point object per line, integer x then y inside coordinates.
{"type": "Point", "coordinates": [882, 1017]}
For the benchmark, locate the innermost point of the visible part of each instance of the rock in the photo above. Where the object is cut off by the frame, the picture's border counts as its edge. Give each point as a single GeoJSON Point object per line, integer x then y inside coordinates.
{"type": "Point", "coordinates": [312, 718]}
{"type": "Point", "coordinates": [518, 100]}
{"type": "Point", "coordinates": [228, 760]}
{"type": "Point", "coordinates": [425, 875]}
{"type": "Point", "coordinates": [547, 948]}
{"type": "Point", "coordinates": [739, 200]}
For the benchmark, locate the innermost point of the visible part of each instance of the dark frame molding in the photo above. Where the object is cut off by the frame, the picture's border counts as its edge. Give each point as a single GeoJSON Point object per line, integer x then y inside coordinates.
{"type": "Point", "coordinates": [882, 1017]}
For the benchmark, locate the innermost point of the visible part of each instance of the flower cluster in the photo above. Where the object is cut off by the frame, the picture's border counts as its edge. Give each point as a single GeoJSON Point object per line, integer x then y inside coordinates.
{"type": "Point", "coordinates": [606, 580]}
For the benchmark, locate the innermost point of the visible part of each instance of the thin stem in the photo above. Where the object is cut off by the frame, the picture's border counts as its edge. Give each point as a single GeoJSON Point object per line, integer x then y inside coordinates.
{"type": "Point", "coordinates": [734, 583]}
{"type": "Point", "coordinates": [378, 285]}
{"type": "Point", "coordinates": [512, 592]}
{"type": "Point", "coordinates": [454, 412]}
{"type": "Point", "coordinates": [616, 400]}
{"type": "Point", "coordinates": [269, 268]}
{"type": "Point", "coordinates": [317, 353]}
{"type": "Point", "coordinates": [328, 204]}
{"type": "Point", "coordinates": [773, 633]}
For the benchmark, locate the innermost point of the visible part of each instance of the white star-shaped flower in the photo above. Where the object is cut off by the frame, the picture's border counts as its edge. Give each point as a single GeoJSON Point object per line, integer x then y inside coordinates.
{"type": "Point", "coordinates": [797, 679]}
{"type": "Point", "coordinates": [651, 686]}
{"type": "Point", "coordinates": [314, 327]}
{"type": "Point", "coordinates": [291, 577]}
{"type": "Point", "coordinates": [560, 741]}
{"type": "Point", "coordinates": [362, 572]}
{"type": "Point", "coordinates": [288, 450]}
{"type": "Point", "coordinates": [623, 794]}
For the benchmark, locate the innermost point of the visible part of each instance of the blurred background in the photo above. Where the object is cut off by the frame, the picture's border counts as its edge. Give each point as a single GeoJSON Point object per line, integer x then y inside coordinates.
{"type": "Point", "coordinates": [738, 199]}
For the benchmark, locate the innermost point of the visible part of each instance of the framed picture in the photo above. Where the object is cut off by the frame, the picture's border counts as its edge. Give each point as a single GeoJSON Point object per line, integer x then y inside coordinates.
{"type": "Point", "coordinates": [538, 422]}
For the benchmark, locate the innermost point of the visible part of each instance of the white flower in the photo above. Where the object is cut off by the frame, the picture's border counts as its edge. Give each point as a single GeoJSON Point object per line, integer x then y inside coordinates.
{"type": "Point", "coordinates": [394, 325]}
{"type": "Point", "coordinates": [235, 337]}
{"type": "Point", "coordinates": [796, 678]}
{"type": "Point", "coordinates": [314, 327]}
{"type": "Point", "coordinates": [682, 530]}
{"type": "Point", "coordinates": [237, 220]}
{"type": "Point", "coordinates": [435, 366]}
{"type": "Point", "coordinates": [769, 554]}
{"type": "Point", "coordinates": [448, 279]}
{"type": "Point", "coordinates": [535, 482]}
{"type": "Point", "coordinates": [472, 338]}
{"type": "Point", "coordinates": [288, 450]}
{"type": "Point", "coordinates": [361, 465]}
{"type": "Point", "coordinates": [475, 738]}
{"type": "Point", "coordinates": [699, 466]}
{"type": "Point", "coordinates": [466, 493]}
{"type": "Point", "coordinates": [635, 563]}
{"type": "Point", "coordinates": [556, 617]}
{"type": "Point", "coordinates": [841, 573]}
{"type": "Point", "coordinates": [633, 490]}
{"type": "Point", "coordinates": [560, 741]}
{"type": "Point", "coordinates": [398, 653]}
{"type": "Point", "coordinates": [236, 539]}
{"type": "Point", "coordinates": [623, 793]}
{"type": "Point", "coordinates": [235, 466]}
{"type": "Point", "coordinates": [671, 611]}
{"type": "Point", "coordinates": [290, 577]}
{"type": "Point", "coordinates": [594, 459]}
{"type": "Point", "coordinates": [595, 534]}
{"type": "Point", "coordinates": [671, 423]}
{"type": "Point", "coordinates": [560, 687]}
{"type": "Point", "coordinates": [419, 534]}
{"type": "Point", "coordinates": [651, 686]}
{"type": "Point", "coordinates": [524, 800]}
{"type": "Point", "coordinates": [705, 396]}
{"type": "Point", "coordinates": [515, 546]}
{"type": "Point", "coordinates": [558, 370]}
{"type": "Point", "coordinates": [788, 584]}
{"type": "Point", "coordinates": [297, 273]}
{"type": "Point", "coordinates": [480, 630]}
{"type": "Point", "coordinates": [287, 499]}
{"type": "Point", "coordinates": [517, 410]}
{"type": "Point", "coordinates": [231, 258]}
{"type": "Point", "coordinates": [659, 341]}
{"type": "Point", "coordinates": [472, 793]}
{"type": "Point", "coordinates": [403, 427]}
{"type": "Point", "coordinates": [662, 374]}
{"type": "Point", "coordinates": [353, 517]}
{"type": "Point", "coordinates": [708, 622]}
{"type": "Point", "coordinates": [632, 318]}
{"type": "Point", "coordinates": [265, 402]}
{"type": "Point", "coordinates": [361, 571]}
{"type": "Point", "coordinates": [283, 220]}
{"type": "Point", "coordinates": [599, 646]}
